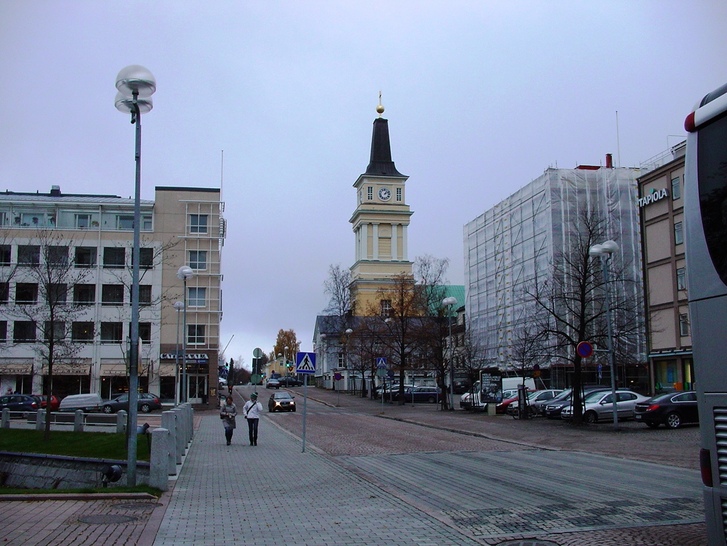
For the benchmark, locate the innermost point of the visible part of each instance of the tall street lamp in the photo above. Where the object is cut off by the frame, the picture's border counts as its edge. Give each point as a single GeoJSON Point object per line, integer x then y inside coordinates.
{"type": "Point", "coordinates": [179, 306]}
{"type": "Point", "coordinates": [604, 251]}
{"type": "Point", "coordinates": [135, 85]}
{"type": "Point", "coordinates": [183, 273]}
{"type": "Point", "coordinates": [449, 303]}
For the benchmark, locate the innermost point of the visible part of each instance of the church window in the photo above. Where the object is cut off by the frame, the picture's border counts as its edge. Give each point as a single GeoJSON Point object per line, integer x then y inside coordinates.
{"type": "Point", "coordinates": [398, 194]}
{"type": "Point", "coordinates": [370, 193]}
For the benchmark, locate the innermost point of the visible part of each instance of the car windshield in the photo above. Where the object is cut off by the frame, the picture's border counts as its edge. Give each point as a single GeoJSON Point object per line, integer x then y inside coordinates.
{"type": "Point", "coordinates": [565, 395]}
{"type": "Point", "coordinates": [282, 395]}
{"type": "Point", "coordinates": [594, 396]}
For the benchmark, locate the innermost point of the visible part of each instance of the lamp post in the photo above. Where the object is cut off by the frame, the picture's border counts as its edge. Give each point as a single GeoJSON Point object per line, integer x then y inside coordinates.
{"type": "Point", "coordinates": [448, 303]}
{"type": "Point", "coordinates": [179, 306]}
{"type": "Point", "coordinates": [183, 273]}
{"type": "Point", "coordinates": [135, 85]}
{"type": "Point", "coordinates": [285, 359]}
{"type": "Point", "coordinates": [604, 251]}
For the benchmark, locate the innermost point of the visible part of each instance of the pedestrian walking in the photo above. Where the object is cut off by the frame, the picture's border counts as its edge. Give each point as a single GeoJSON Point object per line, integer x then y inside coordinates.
{"type": "Point", "coordinates": [252, 411]}
{"type": "Point", "coordinates": [227, 414]}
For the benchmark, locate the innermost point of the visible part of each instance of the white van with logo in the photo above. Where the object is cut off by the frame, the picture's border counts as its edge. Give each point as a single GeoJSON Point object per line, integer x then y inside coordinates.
{"type": "Point", "coordinates": [86, 402]}
{"type": "Point", "coordinates": [471, 400]}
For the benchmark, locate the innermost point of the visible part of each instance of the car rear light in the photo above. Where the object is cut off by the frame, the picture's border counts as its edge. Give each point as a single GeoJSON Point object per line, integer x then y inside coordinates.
{"type": "Point", "coordinates": [705, 466]}
{"type": "Point", "coordinates": [653, 407]}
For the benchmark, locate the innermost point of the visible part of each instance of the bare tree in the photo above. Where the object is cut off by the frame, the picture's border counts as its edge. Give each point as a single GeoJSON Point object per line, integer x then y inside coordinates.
{"type": "Point", "coordinates": [44, 302]}
{"type": "Point", "coordinates": [570, 305]}
{"type": "Point", "coordinates": [338, 288]}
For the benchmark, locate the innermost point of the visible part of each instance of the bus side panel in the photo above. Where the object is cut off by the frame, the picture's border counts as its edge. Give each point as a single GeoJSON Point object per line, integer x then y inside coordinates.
{"type": "Point", "coordinates": [713, 427]}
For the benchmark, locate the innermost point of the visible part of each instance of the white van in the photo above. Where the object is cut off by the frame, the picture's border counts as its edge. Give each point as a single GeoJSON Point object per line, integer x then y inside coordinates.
{"type": "Point", "coordinates": [86, 402]}
{"type": "Point", "coordinates": [471, 400]}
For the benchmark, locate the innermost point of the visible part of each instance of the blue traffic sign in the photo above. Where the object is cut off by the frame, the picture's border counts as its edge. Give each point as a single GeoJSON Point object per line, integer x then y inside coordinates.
{"type": "Point", "coordinates": [305, 363]}
{"type": "Point", "coordinates": [381, 362]}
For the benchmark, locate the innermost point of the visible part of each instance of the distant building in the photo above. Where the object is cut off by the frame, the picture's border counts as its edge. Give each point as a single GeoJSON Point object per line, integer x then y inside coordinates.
{"type": "Point", "coordinates": [511, 245]}
{"type": "Point", "coordinates": [94, 234]}
{"type": "Point", "coordinates": [662, 217]}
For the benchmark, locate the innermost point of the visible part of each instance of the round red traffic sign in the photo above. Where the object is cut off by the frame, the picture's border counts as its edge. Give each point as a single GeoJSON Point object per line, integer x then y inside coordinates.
{"type": "Point", "coordinates": [584, 349]}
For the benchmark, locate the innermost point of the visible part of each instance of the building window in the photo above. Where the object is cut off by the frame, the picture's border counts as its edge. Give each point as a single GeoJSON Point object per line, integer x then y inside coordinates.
{"type": "Point", "coordinates": [57, 293]}
{"type": "Point", "coordinates": [4, 292]}
{"type": "Point", "coordinates": [112, 294]}
{"type": "Point", "coordinates": [82, 332]}
{"type": "Point", "coordinates": [146, 223]}
{"type": "Point", "coordinates": [144, 331]}
{"type": "Point", "coordinates": [57, 256]}
{"type": "Point", "coordinates": [24, 331]}
{"type": "Point", "coordinates": [58, 330]}
{"type": "Point", "coordinates": [124, 222]}
{"type": "Point", "coordinates": [370, 193]}
{"type": "Point", "coordinates": [676, 188]}
{"type": "Point", "coordinates": [26, 293]}
{"type": "Point", "coordinates": [678, 233]}
{"type": "Point", "coordinates": [84, 294]}
{"type": "Point", "coordinates": [681, 278]}
{"type": "Point", "coordinates": [198, 223]}
{"type": "Point", "coordinates": [198, 260]}
{"type": "Point", "coordinates": [398, 194]}
{"type": "Point", "coordinates": [82, 221]}
{"type": "Point", "coordinates": [112, 332]}
{"type": "Point", "coordinates": [144, 294]}
{"type": "Point", "coordinates": [114, 257]}
{"type": "Point", "coordinates": [146, 258]}
{"type": "Point", "coordinates": [195, 334]}
{"type": "Point", "coordinates": [385, 308]}
{"type": "Point", "coordinates": [197, 297]}
{"type": "Point", "coordinates": [683, 324]}
{"type": "Point", "coordinates": [29, 255]}
{"type": "Point", "coordinates": [85, 256]}
{"type": "Point", "coordinates": [3, 331]}
{"type": "Point", "coordinates": [5, 255]}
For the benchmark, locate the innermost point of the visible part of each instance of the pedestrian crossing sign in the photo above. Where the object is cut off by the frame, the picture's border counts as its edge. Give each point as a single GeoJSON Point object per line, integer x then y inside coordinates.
{"type": "Point", "coordinates": [305, 363]}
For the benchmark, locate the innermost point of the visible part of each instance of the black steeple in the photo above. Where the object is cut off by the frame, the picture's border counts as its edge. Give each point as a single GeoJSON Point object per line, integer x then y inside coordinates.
{"type": "Point", "coordinates": [380, 163]}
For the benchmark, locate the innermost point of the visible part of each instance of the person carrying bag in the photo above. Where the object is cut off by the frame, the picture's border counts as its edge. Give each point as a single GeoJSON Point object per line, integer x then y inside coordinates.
{"type": "Point", "coordinates": [252, 411]}
{"type": "Point", "coordinates": [228, 414]}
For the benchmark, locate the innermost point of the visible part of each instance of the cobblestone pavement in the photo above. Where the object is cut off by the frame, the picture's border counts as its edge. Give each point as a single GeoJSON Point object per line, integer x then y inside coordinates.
{"type": "Point", "coordinates": [346, 487]}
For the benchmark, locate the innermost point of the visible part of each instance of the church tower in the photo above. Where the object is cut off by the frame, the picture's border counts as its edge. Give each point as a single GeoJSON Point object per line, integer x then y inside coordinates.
{"type": "Point", "coordinates": [380, 223]}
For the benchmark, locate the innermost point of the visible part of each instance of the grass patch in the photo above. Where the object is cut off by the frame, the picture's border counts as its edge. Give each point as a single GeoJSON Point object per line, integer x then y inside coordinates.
{"type": "Point", "coordinates": [94, 445]}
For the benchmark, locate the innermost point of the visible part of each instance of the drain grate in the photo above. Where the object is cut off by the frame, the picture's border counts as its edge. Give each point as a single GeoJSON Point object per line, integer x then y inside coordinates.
{"type": "Point", "coordinates": [105, 519]}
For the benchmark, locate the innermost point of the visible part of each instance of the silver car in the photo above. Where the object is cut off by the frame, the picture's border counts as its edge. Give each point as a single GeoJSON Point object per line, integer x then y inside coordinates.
{"type": "Point", "coordinates": [598, 406]}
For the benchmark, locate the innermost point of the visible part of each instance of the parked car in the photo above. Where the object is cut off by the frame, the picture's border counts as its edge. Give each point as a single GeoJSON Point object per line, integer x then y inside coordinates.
{"type": "Point", "coordinates": [536, 400]}
{"type": "Point", "coordinates": [146, 402]}
{"type": "Point", "coordinates": [89, 402]}
{"type": "Point", "coordinates": [555, 406]}
{"type": "Point", "coordinates": [281, 401]}
{"type": "Point", "coordinates": [598, 406]}
{"type": "Point", "coordinates": [502, 406]}
{"type": "Point", "coordinates": [290, 381]}
{"type": "Point", "coordinates": [19, 402]}
{"type": "Point", "coordinates": [54, 402]}
{"type": "Point", "coordinates": [672, 409]}
{"type": "Point", "coordinates": [272, 383]}
{"type": "Point", "coordinates": [420, 394]}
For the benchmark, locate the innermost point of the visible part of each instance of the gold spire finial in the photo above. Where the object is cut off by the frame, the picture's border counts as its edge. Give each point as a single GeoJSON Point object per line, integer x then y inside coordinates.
{"type": "Point", "coordinates": [380, 107]}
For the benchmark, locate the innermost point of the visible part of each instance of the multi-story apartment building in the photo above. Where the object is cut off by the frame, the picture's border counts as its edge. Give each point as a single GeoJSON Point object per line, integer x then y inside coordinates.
{"type": "Point", "coordinates": [65, 276]}
{"type": "Point", "coordinates": [662, 216]}
{"type": "Point", "coordinates": [512, 246]}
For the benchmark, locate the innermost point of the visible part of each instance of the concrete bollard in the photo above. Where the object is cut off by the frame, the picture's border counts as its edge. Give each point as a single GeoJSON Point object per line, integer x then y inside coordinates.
{"type": "Point", "coordinates": [158, 462]}
{"type": "Point", "coordinates": [6, 418]}
{"type": "Point", "coordinates": [122, 418]}
{"type": "Point", "coordinates": [78, 421]}
{"type": "Point", "coordinates": [178, 418]}
{"type": "Point", "coordinates": [40, 419]}
{"type": "Point", "coordinates": [169, 422]}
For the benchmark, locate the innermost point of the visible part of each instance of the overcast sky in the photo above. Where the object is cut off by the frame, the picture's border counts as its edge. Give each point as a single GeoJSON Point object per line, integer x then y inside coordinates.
{"type": "Point", "coordinates": [481, 98]}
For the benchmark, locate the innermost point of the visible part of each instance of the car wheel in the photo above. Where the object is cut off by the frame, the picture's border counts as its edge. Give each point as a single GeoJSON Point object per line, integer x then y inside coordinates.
{"type": "Point", "coordinates": [145, 408]}
{"type": "Point", "coordinates": [431, 400]}
{"type": "Point", "coordinates": [108, 409]}
{"type": "Point", "coordinates": [590, 417]}
{"type": "Point", "coordinates": [652, 424]}
{"type": "Point", "coordinates": [673, 420]}
{"type": "Point", "coordinates": [293, 409]}
{"type": "Point", "coordinates": [532, 412]}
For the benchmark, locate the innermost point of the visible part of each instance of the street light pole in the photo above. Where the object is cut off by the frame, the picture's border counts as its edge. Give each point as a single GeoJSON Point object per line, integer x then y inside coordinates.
{"type": "Point", "coordinates": [604, 251]}
{"type": "Point", "coordinates": [179, 306]}
{"type": "Point", "coordinates": [135, 85]}
{"type": "Point", "coordinates": [183, 273]}
{"type": "Point", "coordinates": [448, 303]}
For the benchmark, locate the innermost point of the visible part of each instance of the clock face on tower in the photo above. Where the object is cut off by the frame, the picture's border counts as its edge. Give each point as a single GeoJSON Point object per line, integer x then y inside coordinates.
{"type": "Point", "coordinates": [384, 194]}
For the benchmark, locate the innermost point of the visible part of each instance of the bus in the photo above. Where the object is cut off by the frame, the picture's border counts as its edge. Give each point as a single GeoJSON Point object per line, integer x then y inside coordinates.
{"type": "Point", "coordinates": [705, 223]}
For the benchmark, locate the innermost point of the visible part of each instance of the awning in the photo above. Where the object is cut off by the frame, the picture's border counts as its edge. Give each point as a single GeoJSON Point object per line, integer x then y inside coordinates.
{"type": "Point", "coordinates": [68, 369]}
{"type": "Point", "coordinates": [16, 368]}
{"type": "Point", "coordinates": [167, 370]}
{"type": "Point", "coordinates": [113, 369]}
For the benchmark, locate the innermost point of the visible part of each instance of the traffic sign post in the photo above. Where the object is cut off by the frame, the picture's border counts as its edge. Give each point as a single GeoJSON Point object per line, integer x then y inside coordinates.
{"type": "Point", "coordinates": [305, 363]}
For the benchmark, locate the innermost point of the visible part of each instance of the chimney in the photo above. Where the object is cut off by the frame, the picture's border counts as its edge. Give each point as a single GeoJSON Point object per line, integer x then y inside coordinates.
{"type": "Point", "coordinates": [609, 161]}
{"type": "Point", "coordinates": [55, 191]}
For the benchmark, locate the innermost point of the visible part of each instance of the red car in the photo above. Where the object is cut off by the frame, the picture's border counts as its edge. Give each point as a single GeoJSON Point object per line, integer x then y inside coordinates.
{"type": "Point", "coordinates": [43, 399]}
{"type": "Point", "coordinates": [502, 406]}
